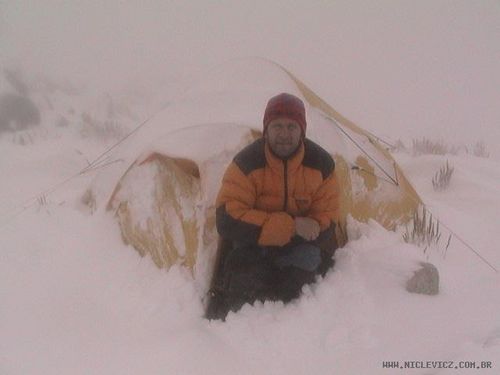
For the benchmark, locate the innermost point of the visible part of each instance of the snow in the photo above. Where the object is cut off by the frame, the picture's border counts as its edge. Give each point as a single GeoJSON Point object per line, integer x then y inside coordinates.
{"type": "Point", "coordinates": [139, 184]}
{"type": "Point", "coordinates": [76, 300]}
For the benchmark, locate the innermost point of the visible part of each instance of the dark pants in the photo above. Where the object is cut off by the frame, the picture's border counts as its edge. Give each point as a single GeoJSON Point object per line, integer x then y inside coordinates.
{"type": "Point", "coordinates": [260, 273]}
{"type": "Point", "coordinates": [247, 273]}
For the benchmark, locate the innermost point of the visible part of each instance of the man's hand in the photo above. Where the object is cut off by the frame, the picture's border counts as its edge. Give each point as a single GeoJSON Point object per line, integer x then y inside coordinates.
{"type": "Point", "coordinates": [307, 228]}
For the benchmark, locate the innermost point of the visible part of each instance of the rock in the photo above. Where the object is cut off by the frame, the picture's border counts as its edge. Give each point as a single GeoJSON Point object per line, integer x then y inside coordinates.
{"type": "Point", "coordinates": [425, 280]}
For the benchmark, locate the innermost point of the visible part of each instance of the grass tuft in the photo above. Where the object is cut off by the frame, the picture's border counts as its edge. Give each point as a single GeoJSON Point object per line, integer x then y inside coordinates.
{"type": "Point", "coordinates": [424, 231]}
{"type": "Point", "coordinates": [480, 150]}
{"type": "Point", "coordinates": [442, 178]}
{"type": "Point", "coordinates": [107, 129]}
{"type": "Point", "coordinates": [425, 146]}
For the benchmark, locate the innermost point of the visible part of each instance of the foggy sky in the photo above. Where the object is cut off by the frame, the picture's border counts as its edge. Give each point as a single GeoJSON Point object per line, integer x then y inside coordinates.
{"type": "Point", "coordinates": [414, 66]}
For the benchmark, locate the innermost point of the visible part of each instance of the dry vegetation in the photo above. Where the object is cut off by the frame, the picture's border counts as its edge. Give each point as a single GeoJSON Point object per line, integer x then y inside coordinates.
{"type": "Point", "coordinates": [442, 178]}
{"type": "Point", "coordinates": [29, 137]}
{"type": "Point", "coordinates": [425, 146]}
{"type": "Point", "coordinates": [107, 130]}
{"type": "Point", "coordinates": [480, 150]}
{"type": "Point", "coordinates": [424, 231]}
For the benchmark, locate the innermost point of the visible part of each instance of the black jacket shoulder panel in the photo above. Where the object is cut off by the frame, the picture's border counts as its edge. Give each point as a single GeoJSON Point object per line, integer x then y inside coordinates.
{"type": "Point", "coordinates": [316, 157]}
{"type": "Point", "coordinates": [252, 157]}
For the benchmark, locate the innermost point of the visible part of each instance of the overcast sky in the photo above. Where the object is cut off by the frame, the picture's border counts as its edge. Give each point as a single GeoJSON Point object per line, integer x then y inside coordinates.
{"type": "Point", "coordinates": [430, 65]}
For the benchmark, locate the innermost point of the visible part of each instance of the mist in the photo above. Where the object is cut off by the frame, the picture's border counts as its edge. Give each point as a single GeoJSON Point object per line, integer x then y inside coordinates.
{"type": "Point", "coordinates": [397, 68]}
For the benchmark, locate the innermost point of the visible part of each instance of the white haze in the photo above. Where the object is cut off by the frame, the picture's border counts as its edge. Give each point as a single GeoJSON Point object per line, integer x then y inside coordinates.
{"type": "Point", "coordinates": [398, 68]}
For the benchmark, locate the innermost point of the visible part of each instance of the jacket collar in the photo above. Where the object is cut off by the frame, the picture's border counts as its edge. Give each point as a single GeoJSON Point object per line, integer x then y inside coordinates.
{"type": "Point", "coordinates": [276, 164]}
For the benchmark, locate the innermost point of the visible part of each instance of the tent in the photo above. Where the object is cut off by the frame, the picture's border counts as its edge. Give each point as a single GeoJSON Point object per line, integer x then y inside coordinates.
{"type": "Point", "coordinates": [164, 200]}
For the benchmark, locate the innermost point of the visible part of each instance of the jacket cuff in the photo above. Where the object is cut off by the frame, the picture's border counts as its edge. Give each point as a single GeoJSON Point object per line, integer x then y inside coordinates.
{"type": "Point", "coordinates": [278, 230]}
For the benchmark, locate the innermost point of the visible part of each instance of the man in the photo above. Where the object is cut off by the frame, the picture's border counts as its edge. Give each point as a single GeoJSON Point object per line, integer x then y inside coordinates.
{"type": "Point", "coordinates": [276, 213]}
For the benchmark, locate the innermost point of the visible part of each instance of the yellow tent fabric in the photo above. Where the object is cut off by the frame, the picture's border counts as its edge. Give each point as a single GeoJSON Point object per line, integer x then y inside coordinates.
{"type": "Point", "coordinates": [388, 212]}
{"type": "Point", "coordinates": [180, 224]}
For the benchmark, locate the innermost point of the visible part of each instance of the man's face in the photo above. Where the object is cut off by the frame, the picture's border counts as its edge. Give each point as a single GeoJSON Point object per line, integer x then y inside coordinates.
{"type": "Point", "coordinates": [283, 136]}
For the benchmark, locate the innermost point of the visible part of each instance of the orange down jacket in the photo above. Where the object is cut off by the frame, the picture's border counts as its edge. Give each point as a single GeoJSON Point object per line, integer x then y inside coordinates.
{"type": "Point", "coordinates": [261, 194]}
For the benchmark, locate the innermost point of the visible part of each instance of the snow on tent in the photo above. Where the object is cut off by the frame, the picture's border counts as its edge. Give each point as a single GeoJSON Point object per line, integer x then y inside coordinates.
{"type": "Point", "coordinates": [164, 200]}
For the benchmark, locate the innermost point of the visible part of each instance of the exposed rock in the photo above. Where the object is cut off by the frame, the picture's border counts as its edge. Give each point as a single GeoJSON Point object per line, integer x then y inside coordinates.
{"type": "Point", "coordinates": [425, 280]}
{"type": "Point", "coordinates": [17, 113]}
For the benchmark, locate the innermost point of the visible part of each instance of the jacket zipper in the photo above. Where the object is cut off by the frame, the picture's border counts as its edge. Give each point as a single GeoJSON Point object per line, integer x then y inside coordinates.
{"type": "Point", "coordinates": [285, 204]}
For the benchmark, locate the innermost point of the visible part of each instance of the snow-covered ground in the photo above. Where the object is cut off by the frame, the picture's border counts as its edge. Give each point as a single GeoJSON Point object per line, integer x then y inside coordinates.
{"type": "Point", "coordinates": [76, 300]}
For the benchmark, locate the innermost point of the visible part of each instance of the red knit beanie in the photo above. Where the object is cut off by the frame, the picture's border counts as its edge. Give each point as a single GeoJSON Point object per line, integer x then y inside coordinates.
{"type": "Point", "coordinates": [288, 106]}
